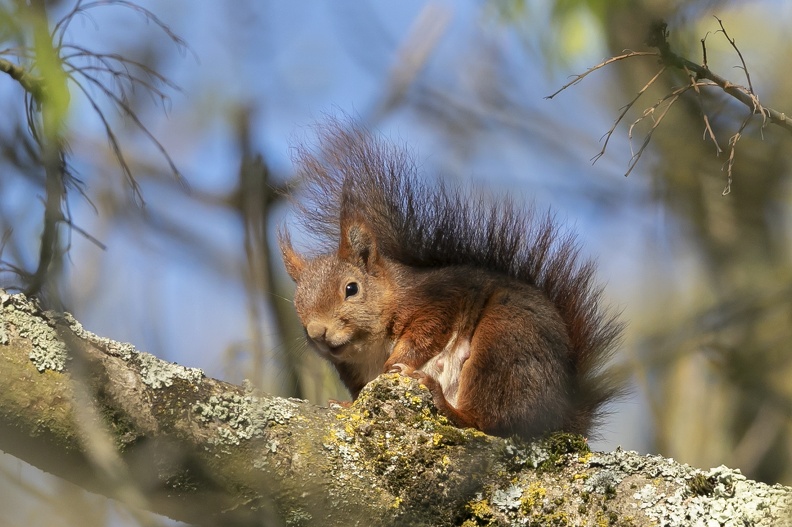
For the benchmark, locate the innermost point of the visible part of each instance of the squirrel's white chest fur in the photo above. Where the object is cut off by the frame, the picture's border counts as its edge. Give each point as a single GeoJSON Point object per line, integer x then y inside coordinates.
{"type": "Point", "coordinates": [446, 366]}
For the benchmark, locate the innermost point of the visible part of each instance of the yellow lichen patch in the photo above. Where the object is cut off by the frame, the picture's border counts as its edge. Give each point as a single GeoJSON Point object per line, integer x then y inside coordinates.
{"type": "Point", "coordinates": [354, 419]}
{"type": "Point", "coordinates": [331, 437]}
{"type": "Point", "coordinates": [405, 380]}
{"type": "Point", "coordinates": [541, 509]}
{"type": "Point", "coordinates": [532, 498]}
{"type": "Point", "coordinates": [607, 519]}
{"type": "Point", "coordinates": [413, 399]}
{"type": "Point", "coordinates": [556, 518]}
{"type": "Point", "coordinates": [480, 513]}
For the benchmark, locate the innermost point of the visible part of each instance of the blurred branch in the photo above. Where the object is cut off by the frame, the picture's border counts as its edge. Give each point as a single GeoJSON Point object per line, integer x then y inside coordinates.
{"type": "Point", "coordinates": [87, 68]}
{"type": "Point", "coordinates": [211, 453]}
{"type": "Point", "coordinates": [253, 200]}
{"type": "Point", "coordinates": [723, 333]}
{"type": "Point", "coordinates": [30, 83]}
{"type": "Point", "coordinates": [414, 53]}
{"type": "Point", "coordinates": [52, 106]}
{"type": "Point", "coordinates": [48, 65]}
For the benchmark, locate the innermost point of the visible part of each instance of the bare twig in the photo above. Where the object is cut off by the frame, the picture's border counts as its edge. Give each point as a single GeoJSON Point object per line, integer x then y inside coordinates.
{"type": "Point", "coordinates": [578, 78]}
{"type": "Point", "coordinates": [108, 59]}
{"type": "Point", "coordinates": [671, 98]}
{"type": "Point", "coordinates": [624, 110]}
{"type": "Point", "coordinates": [739, 54]}
{"type": "Point", "coordinates": [732, 144]}
{"type": "Point", "coordinates": [81, 8]}
{"type": "Point", "coordinates": [95, 75]}
{"type": "Point", "coordinates": [741, 93]}
{"type": "Point", "coordinates": [707, 128]}
{"type": "Point", "coordinates": [699, 75]}
{"type": "Point", "coordinates": [130, 113]}
{"type": "Point", "coordinates": [114, 144]}
{"type": "Point", "coordinates": [757, 108]}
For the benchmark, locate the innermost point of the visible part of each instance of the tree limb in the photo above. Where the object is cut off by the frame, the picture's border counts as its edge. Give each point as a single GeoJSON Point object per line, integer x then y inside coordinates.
{"type": "Point", "coordinates": [30, 83]}
{"type": "Point", "coordinates": [658, 38]}
{"type": "Point", "coordinates": [128, 425]}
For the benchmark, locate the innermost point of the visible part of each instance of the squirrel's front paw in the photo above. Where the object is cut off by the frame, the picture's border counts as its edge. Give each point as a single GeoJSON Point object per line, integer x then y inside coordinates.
{"type": "Point", "coordinates": [409, 371]}
{"type": "Point", "coordinates": [402, 369]}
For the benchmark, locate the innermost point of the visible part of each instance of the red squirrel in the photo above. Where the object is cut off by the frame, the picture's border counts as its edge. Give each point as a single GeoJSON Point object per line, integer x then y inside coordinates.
{"type": "Point", "coordinates": [486, 304]}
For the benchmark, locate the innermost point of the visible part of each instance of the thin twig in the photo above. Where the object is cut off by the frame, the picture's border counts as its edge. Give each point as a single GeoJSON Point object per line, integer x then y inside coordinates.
{"type": "Point", "coordinates": [732, 151]}
{"type": "Point", "coordinates": [741, 93]}
{"type": "Point", "coordinates": [85, 234]}
{"type": "Point", "coordinates": [624, 110]}
{"type": "Point", "coordinates": [672, 98]}
{"type": "Point", "coordinates": [82, 8]}
{"type": "Point", "coordinates": [698, 75]}
{"type": "Point", "coordinates": [611, 60]}
{"type": "Point", "coordinates": [704, 50]}
{"type": "Point", "coordinates": [739, 54]}
{"type": "Point", "coordinates": [707, 128]}
{"type": "Point", "coordinates": [129, 112]}
{"type": "Point", "coordinates": [111, 137]}
{"type": "Point", "coordinates": [108, 58]}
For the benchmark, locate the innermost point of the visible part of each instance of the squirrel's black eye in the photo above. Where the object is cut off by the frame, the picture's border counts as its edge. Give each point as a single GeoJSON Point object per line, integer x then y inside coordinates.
{"type": "Point", "coordinates": [351, 289]}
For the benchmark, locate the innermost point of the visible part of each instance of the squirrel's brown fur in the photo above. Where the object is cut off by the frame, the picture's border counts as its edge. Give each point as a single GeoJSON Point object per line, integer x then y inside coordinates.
{"type": "Point", "coordinates": [487, 304]}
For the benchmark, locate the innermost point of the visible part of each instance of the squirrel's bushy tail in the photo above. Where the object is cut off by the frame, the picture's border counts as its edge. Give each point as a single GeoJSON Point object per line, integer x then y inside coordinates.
{"type": "Point", "coordinates": [354, 174]}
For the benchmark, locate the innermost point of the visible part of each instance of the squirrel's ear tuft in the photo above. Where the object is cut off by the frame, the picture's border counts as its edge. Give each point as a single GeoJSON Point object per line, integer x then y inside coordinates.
{"type": "Point", "coordinates": [294, 262]}
{"type": "Point", "coordinates": [358, 245]}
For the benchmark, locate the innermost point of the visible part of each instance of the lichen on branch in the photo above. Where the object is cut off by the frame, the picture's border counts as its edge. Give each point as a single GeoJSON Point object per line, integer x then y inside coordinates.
{"type": "Point", "coordinates": [204, 451]}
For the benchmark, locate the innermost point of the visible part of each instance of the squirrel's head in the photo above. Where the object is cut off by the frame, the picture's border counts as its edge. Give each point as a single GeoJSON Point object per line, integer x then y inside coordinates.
{"type": "Point", "coordinates": [340, 296]}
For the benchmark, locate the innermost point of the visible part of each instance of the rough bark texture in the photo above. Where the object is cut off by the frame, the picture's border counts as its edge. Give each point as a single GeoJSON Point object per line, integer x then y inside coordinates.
{"type": "Point", "coordinates": [165, 437]}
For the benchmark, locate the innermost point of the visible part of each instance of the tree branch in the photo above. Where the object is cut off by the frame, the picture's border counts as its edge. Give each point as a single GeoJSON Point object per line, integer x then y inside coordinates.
{"type": "Point", "coordinates": [167, 438]}
{"type": "Point", "coordinates": [658, 38]}
{"type": "Point", "coordinates": [30, 83]}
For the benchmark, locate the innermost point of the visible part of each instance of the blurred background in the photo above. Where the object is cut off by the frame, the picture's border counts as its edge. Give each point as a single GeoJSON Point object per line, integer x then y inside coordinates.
{"type": "Point", "coordinates": [176, 123]}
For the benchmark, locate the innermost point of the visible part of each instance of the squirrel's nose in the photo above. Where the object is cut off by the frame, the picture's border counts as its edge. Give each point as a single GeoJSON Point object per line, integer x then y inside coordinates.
{"type": "Point", "coordinates": [317, 331]}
